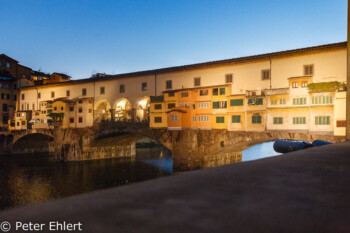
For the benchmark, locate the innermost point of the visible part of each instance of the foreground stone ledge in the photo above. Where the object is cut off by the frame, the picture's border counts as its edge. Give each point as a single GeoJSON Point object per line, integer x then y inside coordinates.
{"type": "Point", "coordinates": [304, 191]}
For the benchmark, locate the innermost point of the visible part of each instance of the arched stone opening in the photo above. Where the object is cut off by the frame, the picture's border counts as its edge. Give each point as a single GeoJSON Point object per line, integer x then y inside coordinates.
{"type": "Point", "coordinates": [102, 111]}
{"type": "Point", "coordinates": [122, 110]}
{"type": "Point", "coordinates": [142, 109]}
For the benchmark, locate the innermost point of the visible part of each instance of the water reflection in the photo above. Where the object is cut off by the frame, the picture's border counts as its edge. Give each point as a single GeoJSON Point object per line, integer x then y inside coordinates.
{"type": "Point", "coordinates": [31, 178]}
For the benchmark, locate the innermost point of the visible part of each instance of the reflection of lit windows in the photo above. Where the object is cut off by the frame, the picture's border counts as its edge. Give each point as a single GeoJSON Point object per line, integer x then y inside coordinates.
{"type": "Point", "coordinates": [174, 118]}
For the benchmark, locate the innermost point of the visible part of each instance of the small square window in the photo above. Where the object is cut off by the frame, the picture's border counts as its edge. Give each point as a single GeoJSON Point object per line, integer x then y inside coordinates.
{"type": "Point", "coordinates": [229, 78]}
{"type": "Point", "coordinates": [83, 91]}
{"type": "Point", "coordinates": [197, 82]}
{"type": "Point", "coordinates": [308, 69]}
{"type": "Point", "coordinates": [122, 88]}
{"type": "Point", "coordinates": [169, 84]}
{"type": "Point", "coordinates": [265, 74]}
{"type": "Point", "coordinates": [68, 93]}
{"type": "Point", "coordinates": [52, 94]}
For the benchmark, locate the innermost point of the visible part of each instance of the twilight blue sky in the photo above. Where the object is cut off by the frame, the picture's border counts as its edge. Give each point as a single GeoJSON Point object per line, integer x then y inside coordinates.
{"type": "Point", "coordinates": [81, 37]}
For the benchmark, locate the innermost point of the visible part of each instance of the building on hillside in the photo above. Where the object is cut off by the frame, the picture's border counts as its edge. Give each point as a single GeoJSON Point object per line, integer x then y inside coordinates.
{"type": "Point", "coordinates": [12, 77]}
{"type": "Point", "coordinates": [56, 78]}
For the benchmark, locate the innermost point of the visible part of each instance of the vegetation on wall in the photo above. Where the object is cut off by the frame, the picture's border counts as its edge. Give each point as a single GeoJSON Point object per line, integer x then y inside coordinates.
{"type": "Point", "coordinates": [326, 86]}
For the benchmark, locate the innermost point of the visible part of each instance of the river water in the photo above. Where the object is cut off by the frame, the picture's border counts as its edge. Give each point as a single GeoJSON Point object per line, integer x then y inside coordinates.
{"type": "Point", "coordinates": [32, 178]}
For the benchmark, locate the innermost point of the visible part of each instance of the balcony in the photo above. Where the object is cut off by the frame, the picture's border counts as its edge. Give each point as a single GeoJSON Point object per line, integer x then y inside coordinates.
{"type": "Point", "coordinates": [277, 91]}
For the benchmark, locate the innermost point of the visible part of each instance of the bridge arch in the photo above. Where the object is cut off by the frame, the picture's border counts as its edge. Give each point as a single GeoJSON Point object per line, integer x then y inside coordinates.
{"type": "Point", "coordinates": [142, 108]}
{"type": "Point", "coordinates": [102, 110]}
{"type": "Point", "coordinates": [122, 109]}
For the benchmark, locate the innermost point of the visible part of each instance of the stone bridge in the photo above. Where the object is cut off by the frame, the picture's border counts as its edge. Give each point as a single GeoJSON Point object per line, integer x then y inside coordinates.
{"type": "Point", "coordinates": [191, 149]}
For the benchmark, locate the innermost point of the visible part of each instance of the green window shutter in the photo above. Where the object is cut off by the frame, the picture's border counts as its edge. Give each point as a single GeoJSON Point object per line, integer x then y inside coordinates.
{"type": "Point", "coordinates": [253, 120]}
{"type": "Point", "coordinates": [304, 120]}
{"type": "Point", "coordinates": [216, 104]}
{"type": "Point", "coordinates": [225, 104]}
{"type": "Point", "coordinates": [236, 102]}
{"type": "Point", "coordinates": [251, 101]}
{"type": "Point", "coordinates": [328, 120]}
{"type": "Point", "coordinates": [220, 119]}
{"type": "Point", "coordinates": [259, 101]}
{"type": "Point", "coordinates": [222, 91]}
{"type": "Point", "coordinates": [258, 119]}
{"type": "Point", "coordinates": [236, 119]}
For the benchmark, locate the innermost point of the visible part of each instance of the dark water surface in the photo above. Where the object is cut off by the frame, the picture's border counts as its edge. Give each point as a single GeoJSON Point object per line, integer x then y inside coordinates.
{"type": "Point", "coordinates": [32, 178]}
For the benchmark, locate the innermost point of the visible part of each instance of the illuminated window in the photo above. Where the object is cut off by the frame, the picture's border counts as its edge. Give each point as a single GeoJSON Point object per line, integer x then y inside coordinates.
{"type": "Point", "coordinates": [308, 69]}
{"type": "Point", "coordinates": [197, 82]}
{"type": "Point", "coordinates": [265, 74]}
{"type": "Point", "coordinates": [229, 78]}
